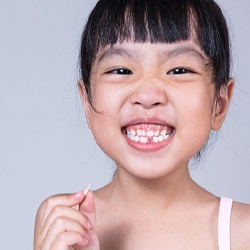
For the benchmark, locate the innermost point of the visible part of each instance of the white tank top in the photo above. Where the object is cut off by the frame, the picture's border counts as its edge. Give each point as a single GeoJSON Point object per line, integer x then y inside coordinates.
{"type": "Point", "coordinates": [224, 223]}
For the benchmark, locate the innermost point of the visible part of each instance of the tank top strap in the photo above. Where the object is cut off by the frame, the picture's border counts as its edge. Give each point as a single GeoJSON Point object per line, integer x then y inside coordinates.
{"type": "Point", "coordinates": [224, 223]}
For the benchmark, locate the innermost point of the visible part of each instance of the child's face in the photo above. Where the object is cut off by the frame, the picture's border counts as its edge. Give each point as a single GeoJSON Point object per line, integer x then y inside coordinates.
{"type": "Point", "coordinates": [154, 103]}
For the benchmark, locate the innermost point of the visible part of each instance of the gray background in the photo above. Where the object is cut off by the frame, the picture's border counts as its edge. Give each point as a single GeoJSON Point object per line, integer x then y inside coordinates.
{"type": "Point", "coordinates": [45, 145]}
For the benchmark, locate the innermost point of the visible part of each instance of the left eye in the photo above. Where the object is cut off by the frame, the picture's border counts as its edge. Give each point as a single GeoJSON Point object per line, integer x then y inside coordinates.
{"type": "Point", "coordinates": [179, 71]}
{"type": "Point", "coordinates": [120, 71]}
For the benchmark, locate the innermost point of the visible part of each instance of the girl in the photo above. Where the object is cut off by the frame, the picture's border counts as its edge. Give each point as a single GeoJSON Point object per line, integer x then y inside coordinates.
{"type": "Point", "coordinates": [155, 82]}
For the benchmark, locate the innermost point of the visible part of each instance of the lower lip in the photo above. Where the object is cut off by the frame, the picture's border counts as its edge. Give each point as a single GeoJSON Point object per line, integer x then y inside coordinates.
{"type": "Point", "coordinates": [149, 147]}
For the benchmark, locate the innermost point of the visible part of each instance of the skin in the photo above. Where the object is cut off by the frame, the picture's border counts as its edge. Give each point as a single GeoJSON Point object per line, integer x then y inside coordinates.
{"type": "Point", "coordinates": [152, 202]}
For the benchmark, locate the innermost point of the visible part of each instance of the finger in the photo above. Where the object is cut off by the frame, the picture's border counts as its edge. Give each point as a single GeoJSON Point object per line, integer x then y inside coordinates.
{"type": "Point", "coordinates": [87, 207]}
{"type": "Point", "coordinates": [66, 239]}
{"type": "Point", "coordinates": [66, 212]}
{"type": "Point", "coordinates": [93, 239]}
{"type": "Point", "coordinates": [68, 200]}
{"type": "Point", "coordinates": [59, 227]}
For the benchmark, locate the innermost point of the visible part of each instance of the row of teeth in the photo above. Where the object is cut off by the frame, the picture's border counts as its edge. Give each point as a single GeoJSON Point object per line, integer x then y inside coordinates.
{"type": "Point", "coordinates": [143, 136]}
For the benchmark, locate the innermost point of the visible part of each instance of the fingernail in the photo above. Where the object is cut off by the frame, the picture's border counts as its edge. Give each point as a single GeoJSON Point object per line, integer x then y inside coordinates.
{"type": "Point", "coordinates": [87, 225]}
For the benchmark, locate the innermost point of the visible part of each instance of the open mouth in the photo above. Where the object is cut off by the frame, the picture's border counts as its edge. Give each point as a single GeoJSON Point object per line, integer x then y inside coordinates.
{"type": "Point", "coordinates": [148, 133]}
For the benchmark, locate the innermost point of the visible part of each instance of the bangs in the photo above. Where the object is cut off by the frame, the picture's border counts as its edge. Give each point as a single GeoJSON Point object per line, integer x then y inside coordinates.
{"type": "Point", "coordinates": [140, 21]}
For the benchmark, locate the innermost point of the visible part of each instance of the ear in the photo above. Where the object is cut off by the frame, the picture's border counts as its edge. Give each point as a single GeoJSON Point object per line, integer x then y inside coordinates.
{"type": "Point", "coordinates": [221, 104]}
{"type": "Point", "coordinates": [85, 100]}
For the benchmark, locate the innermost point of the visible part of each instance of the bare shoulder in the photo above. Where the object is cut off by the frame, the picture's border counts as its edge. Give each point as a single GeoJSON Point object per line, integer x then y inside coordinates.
{"type": "Point", "coordinates": [240, 226]}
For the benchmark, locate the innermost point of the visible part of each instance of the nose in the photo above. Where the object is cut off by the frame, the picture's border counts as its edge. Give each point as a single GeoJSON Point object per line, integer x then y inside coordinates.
{"type": "Point", "coordinates": [149, 95]}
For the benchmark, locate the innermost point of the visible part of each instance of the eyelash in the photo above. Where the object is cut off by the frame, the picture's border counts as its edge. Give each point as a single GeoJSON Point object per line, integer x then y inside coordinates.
{"type": "Point", "coordinates": [175, 71]}
{"type": "Point", "coordinates": [179, 71]}
{"type": "Point", "coordinates": [120, 71]}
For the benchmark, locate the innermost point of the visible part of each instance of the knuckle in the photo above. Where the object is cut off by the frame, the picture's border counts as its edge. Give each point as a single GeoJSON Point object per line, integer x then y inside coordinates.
{"type": "Point", "coordinates": [46, 204]}
{"type": "Point", "coordinates": [42, 207]}
{"type": "Point", "coordinates": [59, 222]}
{"type": "Point", "coordinates": [50, 202]}
{"type": "Point", "coordinates": [62, 238]}
{"type": "Point", "coordinates": [58, 210]}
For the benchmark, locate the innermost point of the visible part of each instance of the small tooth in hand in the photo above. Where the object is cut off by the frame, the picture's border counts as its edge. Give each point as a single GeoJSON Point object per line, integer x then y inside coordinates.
{"type": "Point", "coordinates": [85, 191]}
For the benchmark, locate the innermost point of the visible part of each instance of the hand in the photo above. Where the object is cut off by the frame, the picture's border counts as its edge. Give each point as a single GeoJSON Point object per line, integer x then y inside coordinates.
{"type": "Point", "coordinates": [59, 225]}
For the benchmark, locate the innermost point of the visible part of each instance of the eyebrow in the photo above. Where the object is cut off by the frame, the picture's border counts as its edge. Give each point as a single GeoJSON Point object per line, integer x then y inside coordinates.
{"type": "Point", "coordinates": [164, 55]}
{"type": "Point", "coordinates": [113, 51]}
{"type": "Point", "coordinates": [184, 50]}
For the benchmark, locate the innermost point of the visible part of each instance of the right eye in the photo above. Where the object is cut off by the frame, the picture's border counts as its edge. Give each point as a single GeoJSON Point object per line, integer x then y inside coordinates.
{"type": "Point", "coordinates": [120, 71]}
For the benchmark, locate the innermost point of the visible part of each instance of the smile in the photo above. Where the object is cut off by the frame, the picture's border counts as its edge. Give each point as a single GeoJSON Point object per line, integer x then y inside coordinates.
{"type": "Point", "coordinates": [148, 133]}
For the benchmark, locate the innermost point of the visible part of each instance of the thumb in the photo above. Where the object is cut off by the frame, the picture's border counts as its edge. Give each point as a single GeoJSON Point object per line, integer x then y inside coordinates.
{"type": "Point", "coordinates": [87, 207]}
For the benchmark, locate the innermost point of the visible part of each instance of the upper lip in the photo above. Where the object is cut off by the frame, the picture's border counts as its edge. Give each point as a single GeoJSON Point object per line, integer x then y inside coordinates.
{"type": "Point", "coordinates": [147, 120]}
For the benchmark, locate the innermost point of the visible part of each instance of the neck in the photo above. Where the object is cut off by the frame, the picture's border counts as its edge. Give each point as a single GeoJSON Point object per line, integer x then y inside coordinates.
{"type": "Point", "coordinates": [175, 188]}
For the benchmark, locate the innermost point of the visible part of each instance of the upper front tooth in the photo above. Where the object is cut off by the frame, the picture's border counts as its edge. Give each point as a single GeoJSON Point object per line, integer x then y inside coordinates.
{"type": "Point", "coordinates": [163, 132]}
{"type": "Point", "coordinates": [150, 133]}
{"type": "Point", "coordinates": [157, 132]}
{"type": "Point", "coordinates": [132, 132]}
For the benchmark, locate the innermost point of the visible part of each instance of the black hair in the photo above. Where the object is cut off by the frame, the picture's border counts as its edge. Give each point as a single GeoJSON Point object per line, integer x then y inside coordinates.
{"type": "Point", "coordinates": [157, 21]}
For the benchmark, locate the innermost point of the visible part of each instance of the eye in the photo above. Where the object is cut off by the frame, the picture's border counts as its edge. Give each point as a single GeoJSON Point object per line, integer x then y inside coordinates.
{"type": "Point", "coordinates": [178, 71]}
{"type": "Point", "coordinates": [120, 71]}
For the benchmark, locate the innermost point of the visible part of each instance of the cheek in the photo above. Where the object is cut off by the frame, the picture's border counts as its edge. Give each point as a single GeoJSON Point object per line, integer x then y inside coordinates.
{"type": "Point", "coordinates": [103, 97]}
{"type": "Point", "coordinates": [104, 119]}
{"type": "Point", "coordinates": [199, 100]}
{"type": "Point", "coordinates": [196, 112]}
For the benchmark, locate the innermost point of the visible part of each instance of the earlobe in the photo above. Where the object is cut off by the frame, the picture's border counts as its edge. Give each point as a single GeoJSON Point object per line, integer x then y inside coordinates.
{"type": "Point", "coordinates": [85, 100]}
{"type": "Point", "coordinates": [221, 105]}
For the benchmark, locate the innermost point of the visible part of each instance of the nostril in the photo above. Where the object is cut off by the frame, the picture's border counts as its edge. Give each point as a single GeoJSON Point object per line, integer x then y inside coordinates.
{"type": "Point", "coordinates": [156, 104]}
{"type": "Point", "coordinates": [138, 103]}
{"type": "Point", "coordinates": [148, 104]}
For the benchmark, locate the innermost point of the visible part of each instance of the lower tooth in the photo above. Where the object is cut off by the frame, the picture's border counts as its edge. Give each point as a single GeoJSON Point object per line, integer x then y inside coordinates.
{"type": "Point", "coordinates": [155, 139]}
{"type": "Point", "coordinates": [161, 138]}
{"type": "Point", "coordinates": [137, 138]}
{"type": "Point", "coordinates": [143, 139]}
